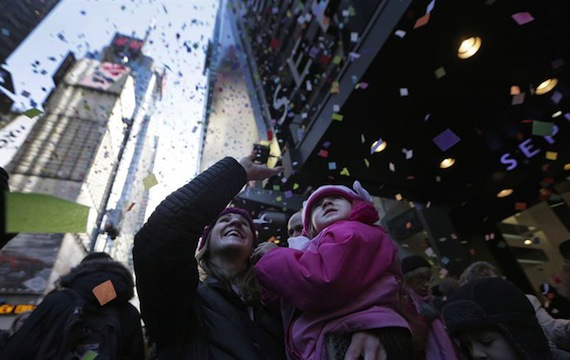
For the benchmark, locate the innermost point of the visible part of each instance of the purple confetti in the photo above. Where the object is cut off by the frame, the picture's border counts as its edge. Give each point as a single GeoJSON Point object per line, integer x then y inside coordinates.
{"type": "Point", "coordinates": [446, 140]}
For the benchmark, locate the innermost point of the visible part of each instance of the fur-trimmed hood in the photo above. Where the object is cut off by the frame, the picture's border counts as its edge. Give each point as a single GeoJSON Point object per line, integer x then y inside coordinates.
{"type": "Point", "coordinates": [85, 276]}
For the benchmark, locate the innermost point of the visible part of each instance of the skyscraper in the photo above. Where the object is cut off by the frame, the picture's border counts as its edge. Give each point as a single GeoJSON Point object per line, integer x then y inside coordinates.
{"type": "Point", "coordinates": [126, 206]}
{"type": "Point", "coordinates": [91, 146]}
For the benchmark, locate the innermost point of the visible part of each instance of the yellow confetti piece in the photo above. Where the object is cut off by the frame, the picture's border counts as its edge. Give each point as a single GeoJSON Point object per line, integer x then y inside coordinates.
{"type": "Point", "coordinates": [295, 186]}
{"type": "Point", "coordinates": [32, 112]}
{"type": "Point", "coordinates": [335, 87]}
{"type": "Point", "coordinates": [345, 172]}
{"type": "Point", "coordinates": [150, 181]}
{"type": "Point", "coordinates": [337, 60]}
{"type": "Point", "coordinates": [279, 198]}
{"type": "Point", "coordinates": [551, 155]}
{"type": "Point", "coordinates": [367, 163]}
{"type": "Point", "coordinates": [90, 355]}
{"type": "Point", "coordinates": [337, 117]}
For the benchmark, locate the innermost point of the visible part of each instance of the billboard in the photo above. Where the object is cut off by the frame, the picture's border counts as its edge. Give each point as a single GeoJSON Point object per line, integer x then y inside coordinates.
{"type": "Point", "coordinates": [103, 76]}
{"type": "Point", "coordinates": [26, 263]}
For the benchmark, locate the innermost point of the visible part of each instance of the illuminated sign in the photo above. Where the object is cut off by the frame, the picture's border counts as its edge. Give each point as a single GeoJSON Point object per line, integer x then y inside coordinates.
{"type": "Point", "coordinates": [104, 76]}
{"type": "Point", "coordinates": [528, 148]}
{"type": "Point", "coordinates": [282, 102]}
{"type": "Point", "coordinates": [127, 46]}
{"type": "Point", "coordinates": [15, 309]}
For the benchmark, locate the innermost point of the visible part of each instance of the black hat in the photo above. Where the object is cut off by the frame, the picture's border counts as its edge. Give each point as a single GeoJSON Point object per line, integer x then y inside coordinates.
{"type": "Point", "coordinates": [96, 256]}
{"type": "Point", "coordinates": [413, 262]}
{"type": "Point", "coordinates": [495, 303]}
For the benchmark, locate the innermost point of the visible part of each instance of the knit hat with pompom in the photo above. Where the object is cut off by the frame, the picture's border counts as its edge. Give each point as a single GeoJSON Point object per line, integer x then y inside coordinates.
{"type": "Point", "coordinates": [363, 209]}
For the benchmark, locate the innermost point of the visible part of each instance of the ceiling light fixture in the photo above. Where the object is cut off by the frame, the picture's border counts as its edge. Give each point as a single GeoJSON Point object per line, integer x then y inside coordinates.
{"type": "Point", "coordinates": [469, 47]}
{"type": "Point", "coordinates": [446, 163]}
{"type": "Point", "coordinates": [528, 242]}
{"type": "Point", "coordinates": [504, 193]}
{"type": "Point", "coordinates": [378, 146]}
{"type": "Point", "coordinates": [566, 167]}
{"type": "Point", "coordinates": [546, 86]}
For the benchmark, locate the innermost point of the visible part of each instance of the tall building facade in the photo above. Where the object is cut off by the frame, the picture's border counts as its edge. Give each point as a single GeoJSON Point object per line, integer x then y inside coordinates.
{"type": "Point", "coordinates": [237, 117]}
{"type": "Point", "coordinates": [92, 147]}
{"type": "Point", "coordinates": [125, 210]}
{"type": "Point", "coordinates": [231, 127]}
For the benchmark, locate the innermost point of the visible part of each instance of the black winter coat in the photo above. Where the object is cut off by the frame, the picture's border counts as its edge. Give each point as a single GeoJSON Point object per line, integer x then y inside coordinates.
{"type": "Point", "coordinates": [188, 319]}
{"type": "Point", "coordinates": [26, 342]}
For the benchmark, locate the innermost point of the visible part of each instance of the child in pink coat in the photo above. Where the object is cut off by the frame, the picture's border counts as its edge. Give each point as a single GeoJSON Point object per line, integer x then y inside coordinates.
{"type": "Point", "coordinates": [343, 275]}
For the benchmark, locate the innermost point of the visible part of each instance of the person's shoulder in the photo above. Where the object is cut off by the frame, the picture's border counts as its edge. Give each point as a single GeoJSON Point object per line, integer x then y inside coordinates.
{"type": "Point", "coordinates": [536, 304]}
{"type": "Point", "coordinates": [130, 309]}
{"type": "Point", "coordinates": [60, 297]}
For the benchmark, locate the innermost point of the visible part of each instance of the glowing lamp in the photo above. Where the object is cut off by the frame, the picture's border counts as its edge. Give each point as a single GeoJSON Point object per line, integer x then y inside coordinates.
{"type": "Point", "coordinates": [469, 47]}
{"type": "Point", "coordinates": [546, 86]}
{"type": "Point", "coordinates": [504, 193]}
{"type": "Point", "coordinates": [446, 163]}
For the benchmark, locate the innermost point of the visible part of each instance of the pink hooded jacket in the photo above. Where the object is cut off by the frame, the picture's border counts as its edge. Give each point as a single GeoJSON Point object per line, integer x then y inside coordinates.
{"type": "Point", "coordinates": [348, 278]}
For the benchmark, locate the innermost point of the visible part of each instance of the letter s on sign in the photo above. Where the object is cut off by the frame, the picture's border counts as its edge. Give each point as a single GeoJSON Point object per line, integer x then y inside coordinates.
{"type": "Point", "coordinates": [507, 160]}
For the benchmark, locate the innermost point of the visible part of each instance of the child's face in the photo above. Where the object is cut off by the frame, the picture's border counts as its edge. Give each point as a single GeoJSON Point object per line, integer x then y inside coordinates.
{"type": "Point", "coordinates": [328, 210]}
{"type": "Point", "coordinates": [488, 345]}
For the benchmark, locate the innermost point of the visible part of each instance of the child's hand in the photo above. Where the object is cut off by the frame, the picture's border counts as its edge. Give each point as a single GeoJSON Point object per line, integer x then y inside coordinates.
{"type": "Point", "coordinates": [365, 345]}
{"type": "Point", "coordinates": [261, 250]}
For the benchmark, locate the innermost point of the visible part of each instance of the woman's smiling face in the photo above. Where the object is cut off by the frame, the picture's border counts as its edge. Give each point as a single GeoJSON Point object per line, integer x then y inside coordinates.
{"type": "Point", "coordinates": [230, 232]}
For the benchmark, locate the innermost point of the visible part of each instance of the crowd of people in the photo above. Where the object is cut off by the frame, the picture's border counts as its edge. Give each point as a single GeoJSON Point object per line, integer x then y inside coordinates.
{"type": "Point", "coordinates": [210, 288]}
